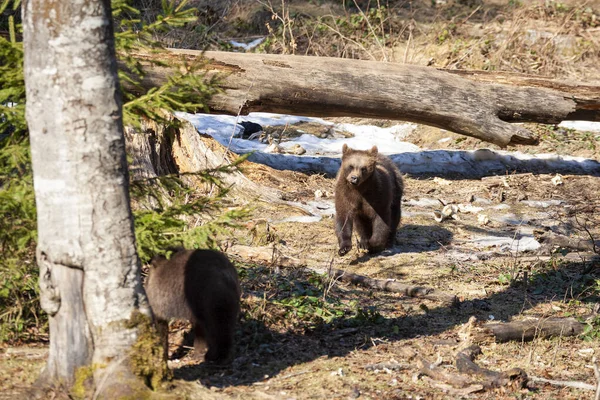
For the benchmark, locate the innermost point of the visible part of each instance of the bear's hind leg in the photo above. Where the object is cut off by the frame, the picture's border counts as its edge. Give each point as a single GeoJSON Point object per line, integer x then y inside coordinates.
{"type": "Point", "coordinates": [220, 335]}
{"type": "Point", "coordinates": [200, 344]}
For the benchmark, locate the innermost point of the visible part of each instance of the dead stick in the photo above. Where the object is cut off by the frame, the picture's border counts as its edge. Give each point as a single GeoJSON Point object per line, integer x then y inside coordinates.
{"type": "Point", "coordinates": [492, 379]}
{"type": "Point", "coordinates": [535, 328]}
{"type": "Point", "coordinates": [573, 384]}
{"type": "Point", "coordinates": [393, 286]}
{"type": "Point", "coordinates": [431, 370]}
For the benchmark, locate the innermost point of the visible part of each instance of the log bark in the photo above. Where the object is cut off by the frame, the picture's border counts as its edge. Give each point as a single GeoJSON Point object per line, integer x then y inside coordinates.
{"type": "Point", "coordinates": [330, 87]}
{"type": "Point", "coordinates": [535, 328]}
{"type": "Point", "coordinates": [491, 379]}
{"type": "Point", "coordinates": [90, 282]}
{"type": "Point", "coordinates": [393, 286]}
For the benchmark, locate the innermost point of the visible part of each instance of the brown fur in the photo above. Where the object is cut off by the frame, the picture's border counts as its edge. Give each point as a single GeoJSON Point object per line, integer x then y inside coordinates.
{"type": "Point", "coordinates": [201, 286]}
{"type": "Point", "coordinates": [368, 193]}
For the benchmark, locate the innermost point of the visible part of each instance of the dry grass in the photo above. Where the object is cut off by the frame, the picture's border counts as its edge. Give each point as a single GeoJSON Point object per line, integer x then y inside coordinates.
{"type": "Point", "coordinates": [551, 38]}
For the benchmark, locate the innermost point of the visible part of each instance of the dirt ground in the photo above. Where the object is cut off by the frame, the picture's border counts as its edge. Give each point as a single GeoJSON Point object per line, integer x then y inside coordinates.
{"type": "Point", "coordinates": [303, 335]}
{"type": "Point", "coordinates": [306, 336]}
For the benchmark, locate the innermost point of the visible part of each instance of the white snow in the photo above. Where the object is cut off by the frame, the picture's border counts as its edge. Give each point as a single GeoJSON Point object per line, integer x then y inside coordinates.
{"type": "Point", "coordinates": [222, 127]}
{"type": "Point", "coordinates": [522, 242]}
{"type": "Point", "coordinates": [247, 46]}
{"type": "Point", "coordinates": [581, 125]}
{"type": "Point", "coordinates": [323, 155]}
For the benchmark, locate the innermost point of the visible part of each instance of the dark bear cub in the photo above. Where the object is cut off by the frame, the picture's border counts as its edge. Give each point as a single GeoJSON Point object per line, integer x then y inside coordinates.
{"type": "Point", "coordinates": [201, 286]}
{"type": "Point", "coordinates": [368, 192]}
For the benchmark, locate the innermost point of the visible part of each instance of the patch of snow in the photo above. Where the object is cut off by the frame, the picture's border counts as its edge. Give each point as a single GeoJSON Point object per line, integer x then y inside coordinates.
{"type": "Point", "coordinates": [542, 203]}
{"type": "Point", "coordinates": [247, 46]}
{"type": "Point", "coordinates": [301, 218]}
{"type": "Point", "coordinates": [222, 127]}
{"type": "Point", "coordinates": [588, 126]}
{"type": "Point", "coordinates": [509, 219]}
{"type": "Point", "coordinates": [271, 119]}
{"type": "Point", "coordinates": [522, 243]}
{"type": "Point", "coordinates": [323, 155]}
{"type": "Point", "coordinates": [423, 202]}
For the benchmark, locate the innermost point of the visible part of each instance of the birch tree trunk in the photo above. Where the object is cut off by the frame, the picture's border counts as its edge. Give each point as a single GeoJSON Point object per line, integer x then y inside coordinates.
{"type": "Point", "coordinates": [89, 270]}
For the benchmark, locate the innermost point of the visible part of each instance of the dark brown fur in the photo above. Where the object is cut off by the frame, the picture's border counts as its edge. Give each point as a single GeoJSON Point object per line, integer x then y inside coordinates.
{"type": "Point", "coordinates": [201, 286]}
{"type": "Point", "coordinates": [368, 193]}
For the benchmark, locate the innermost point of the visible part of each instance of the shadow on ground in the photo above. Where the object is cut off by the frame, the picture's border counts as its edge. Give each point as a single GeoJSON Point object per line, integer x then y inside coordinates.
{"type": "Point", "coordinates": [264, 349]}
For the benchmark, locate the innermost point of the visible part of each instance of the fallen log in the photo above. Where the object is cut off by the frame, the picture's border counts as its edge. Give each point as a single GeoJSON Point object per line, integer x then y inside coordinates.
{"type": "Point", "coordinates": [534, 329]}
{"type": "Point", "coordinates": [433, 371]}
{"type": "Point", "coordinates": [551, 240]}
{"type": "Point", "coordinates": [329, 87]}
{"type": "Point", "coordinates": [389, 285]}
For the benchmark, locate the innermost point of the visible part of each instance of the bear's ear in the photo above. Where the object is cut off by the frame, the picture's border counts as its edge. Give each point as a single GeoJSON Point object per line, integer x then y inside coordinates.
{"type": "Point", "coordinates": [345, 148]}
{"type": "Point", "coordinates": [373, 152]}
{"type": "Point", "coordinates": [157, 261]}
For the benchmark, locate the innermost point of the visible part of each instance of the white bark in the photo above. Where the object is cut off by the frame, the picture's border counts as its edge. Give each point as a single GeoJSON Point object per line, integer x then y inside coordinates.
{"type": "Point", "coordinates": [89, 270]}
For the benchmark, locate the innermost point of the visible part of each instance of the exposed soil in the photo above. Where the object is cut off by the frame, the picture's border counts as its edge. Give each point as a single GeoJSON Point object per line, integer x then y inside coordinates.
{"type": "Point", "coordinates": [304, 336]}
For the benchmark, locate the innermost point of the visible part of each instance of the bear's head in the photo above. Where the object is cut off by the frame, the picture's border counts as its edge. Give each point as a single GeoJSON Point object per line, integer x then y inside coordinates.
{"type": "Point", "coordinates": [358, 165]}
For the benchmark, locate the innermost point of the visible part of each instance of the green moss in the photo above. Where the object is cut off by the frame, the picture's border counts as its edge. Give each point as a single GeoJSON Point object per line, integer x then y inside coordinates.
{"type": "Point", "coordinates": [84, 378]}
{"type": "Point", "coordinates": [147, 360]}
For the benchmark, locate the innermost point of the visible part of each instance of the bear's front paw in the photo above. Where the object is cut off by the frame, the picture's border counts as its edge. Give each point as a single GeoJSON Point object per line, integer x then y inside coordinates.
{"type": "Point", "coordinates": [363, 244]}
{"type": "Point", "coordinates": [344, 250]}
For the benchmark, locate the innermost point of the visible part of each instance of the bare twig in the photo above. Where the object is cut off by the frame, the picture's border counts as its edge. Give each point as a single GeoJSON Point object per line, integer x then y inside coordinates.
{"type": "Point", "coordinates": [573, 384]}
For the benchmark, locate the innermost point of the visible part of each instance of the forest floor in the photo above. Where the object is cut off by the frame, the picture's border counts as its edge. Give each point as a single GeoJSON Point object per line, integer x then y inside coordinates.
{"type": "Point", "coordinates": [304, 335]}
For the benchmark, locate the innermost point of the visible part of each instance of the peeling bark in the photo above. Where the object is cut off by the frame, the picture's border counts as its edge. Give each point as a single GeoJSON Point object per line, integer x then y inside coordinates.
{"type": "Point", "coordinates": [329, 87]}
{"type": "Point", "coordinates": [89, 270]}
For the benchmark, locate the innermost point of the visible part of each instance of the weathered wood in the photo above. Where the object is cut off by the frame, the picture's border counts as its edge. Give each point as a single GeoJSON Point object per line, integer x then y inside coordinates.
{"type": "Point", "coordinates": [534, 328]}
{"type": "Point", "coordinates": [388, 285]}
{"type": "Point", "coordinates": [551, 240]}
{"type": "Point", "coordinates": [491, 379]}
{"type": "Point", "coordinates": [329, 87]}
{"type": "Point", "coordinates": [433, 371]}
{"type": "Point", "coordinates": [573, 384]}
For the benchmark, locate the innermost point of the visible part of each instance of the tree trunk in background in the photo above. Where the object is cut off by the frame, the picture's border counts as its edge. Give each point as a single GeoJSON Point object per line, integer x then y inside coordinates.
{"type": "Point", "coordinates": [89, 270]}
{"type": "Point", "coordinates": [471, 104]}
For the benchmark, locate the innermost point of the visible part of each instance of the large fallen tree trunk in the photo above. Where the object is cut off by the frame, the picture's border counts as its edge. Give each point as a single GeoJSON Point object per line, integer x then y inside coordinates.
{"type": "Point", "coordinates": [329, 87]}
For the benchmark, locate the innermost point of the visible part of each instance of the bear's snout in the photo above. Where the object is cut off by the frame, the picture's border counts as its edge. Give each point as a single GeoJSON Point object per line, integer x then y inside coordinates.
{"type": "Point", "coordinates": [354, 180]}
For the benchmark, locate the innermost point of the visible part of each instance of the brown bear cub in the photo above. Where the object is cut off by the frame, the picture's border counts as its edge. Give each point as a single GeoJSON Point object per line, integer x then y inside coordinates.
{"type": "Point", "coordinates": [368, 193]}
{"type": "Point", "coordinates": [201, 286]}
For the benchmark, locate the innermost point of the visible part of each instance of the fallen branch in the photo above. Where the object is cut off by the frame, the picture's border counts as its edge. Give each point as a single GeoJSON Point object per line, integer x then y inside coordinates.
{"type": "Point", "coordinates": [551, 240]}
{"type": "Point", "coordinates": [533, 329]}
{"type": "Point", "coordinates": [433, 371]}
{"type": "Point", "coordinates": [573, 384]}
{"type": "Point", "coordinates": [492, 379]}
{"type": "Point", "coordinates": [389, 285]}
